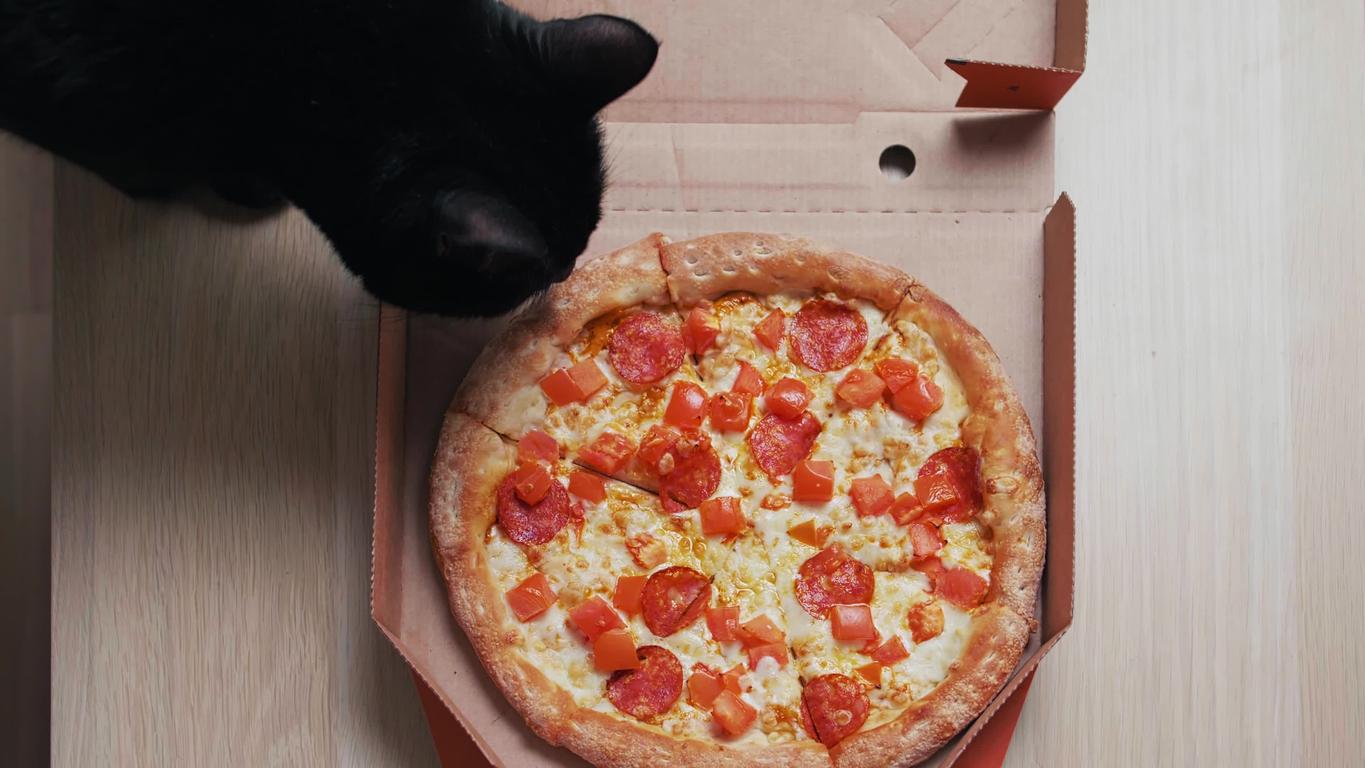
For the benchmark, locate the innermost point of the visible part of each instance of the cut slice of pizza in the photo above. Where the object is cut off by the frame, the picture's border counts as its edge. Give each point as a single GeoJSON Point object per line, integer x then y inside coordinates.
{"type": "Point", "coordinates": [604, 596]}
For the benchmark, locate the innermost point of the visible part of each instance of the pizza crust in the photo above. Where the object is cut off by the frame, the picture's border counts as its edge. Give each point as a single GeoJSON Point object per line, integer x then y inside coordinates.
{"type": "Point", "coordinates": [997, 641]}
{"type": "Point", "coordinates": [501, 387]}
{"type": "Point", "coordinates": [998, 428]}
{"type": "Point", "coordinates": [472, 457]}
{"type": "Point", "coordinates": [711, 266]}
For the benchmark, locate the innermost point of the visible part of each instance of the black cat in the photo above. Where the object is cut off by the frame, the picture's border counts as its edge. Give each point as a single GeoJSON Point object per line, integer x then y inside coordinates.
{"type": "Point", "coordinates": [449, 149]}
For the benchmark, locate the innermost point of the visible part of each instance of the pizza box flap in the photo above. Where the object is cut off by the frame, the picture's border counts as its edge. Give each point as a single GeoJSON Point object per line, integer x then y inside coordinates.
{"type": "Point", "coordinates": [802, 61]}
{"type": "Point", "coordinates": [773, 116]}
{"type": "Point", "coordinates": [991, 162]}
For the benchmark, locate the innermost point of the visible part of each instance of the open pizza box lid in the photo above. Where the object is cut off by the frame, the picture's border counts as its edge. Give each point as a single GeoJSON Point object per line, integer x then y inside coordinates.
{"type": "Point", "coordinates": [773, 117]}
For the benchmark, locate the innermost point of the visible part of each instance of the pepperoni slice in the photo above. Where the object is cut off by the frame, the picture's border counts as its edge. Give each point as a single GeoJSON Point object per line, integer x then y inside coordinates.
{"type": "Point", "coordinates": [836, 707]}
{"type": "Point", "coordinates": [645, 347]}
{"type": "Point", "coordinates": [652, 689]}
{"type": "Point", "coordinates": [833, 577]}
{"type": "Point", "coordinates": [674, 598]}
{"type": "Point", "coordinates": [806, 724]}
{"type": "Point", "coordinates": [779, 444]}
{"type": "Point", "coordinates": [532, 523]}
{"type": "Point", "coordinates": [963, 465]}
{"type": "Point", "coordinates": [825, 335]}
{"type": "Point", "coordinates": [695, 474]}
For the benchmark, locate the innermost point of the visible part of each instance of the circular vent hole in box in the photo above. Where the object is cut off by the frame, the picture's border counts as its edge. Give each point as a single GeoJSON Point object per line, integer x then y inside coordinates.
{"type": "Point", "coordinates": [897, 162]}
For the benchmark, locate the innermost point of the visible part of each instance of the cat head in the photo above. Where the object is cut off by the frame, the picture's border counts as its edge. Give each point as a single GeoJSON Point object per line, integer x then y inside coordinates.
{"type": "Point", "coordinates": [486, 177]}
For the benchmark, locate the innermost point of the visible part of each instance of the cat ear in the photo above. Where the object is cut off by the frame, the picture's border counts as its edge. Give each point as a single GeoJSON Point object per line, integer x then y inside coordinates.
{"type": "Point", "coordinates": [596, 59]}
{"type": "Point", "coordinates": [487, 229]}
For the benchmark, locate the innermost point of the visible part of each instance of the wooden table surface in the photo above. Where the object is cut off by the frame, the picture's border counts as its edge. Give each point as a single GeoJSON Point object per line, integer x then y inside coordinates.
{"type": "Point", "coordinates": [213, 406]}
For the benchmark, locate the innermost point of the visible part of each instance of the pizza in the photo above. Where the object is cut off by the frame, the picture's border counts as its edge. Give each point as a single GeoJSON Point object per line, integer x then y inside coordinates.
{"type": "Point", "coordinates": [740, 500]}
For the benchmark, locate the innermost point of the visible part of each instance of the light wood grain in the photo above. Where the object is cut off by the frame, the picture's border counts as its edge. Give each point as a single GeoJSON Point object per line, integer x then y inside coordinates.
{"type": "Point", "coordinates": [1215, 151]}
{"type": "Point", "coordinates": [212, 488]}
{"type": "Point", "coordinates": [214, 399]}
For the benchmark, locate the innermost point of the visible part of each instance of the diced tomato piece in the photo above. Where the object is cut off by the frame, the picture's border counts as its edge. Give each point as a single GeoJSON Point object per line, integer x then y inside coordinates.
{"type": "Point", "coordinates": [587, 377]}
{"type": "Point", "coordinates": [891, 651]}
{"type": "Point", "coordinates": [655, 445]}
{"type": "Point", "coordinates": [703, 686]}
{"type": "Point", "coordinates": [787, 398]}
{"type": "Point", "coordinates": [896, 373]}
{"type": "Point", "coordinates": [952, 479]}
{"type": "Point", "coordinates": [687, 407]}
{"type": "Point", "coordinates": [871, 495]}
{"type": "Point", "coordinates": [721, 515]}
{"type": "Point", "coordinates": [938, 491]}
{"type": "Point", "coordinates": [905, 508]}
{"type": "Point", "coordinates": [851, 622]}
{"type": "Point", "coordinates": [587, 486]}
{"type": "Point", "coordinates": [748, 380]}
{"type": "Point", "coordinates": [628, 592]}
{"type": "Point", "coordinates": [700, 330]}
{"type": "Point", "coordinates": [925, 539]}
{"type": "Point", "coordinates": [732, 714]}
{"type": "Point", "coordinates": [613, 650]}
{"type": "Point", "coordinates": [860, 389]}
{"type": "Point", "coordinates": [872, 643]}
{"type": "Point", "coordinates": [532, 482]}
{"type": "Point", "coordinates": [769, 329]}
{"type": "Point", "coordinates": [537, 446]}
{"type": "Point", "coordinates": [813, 481]}
{"type": "Point", "coordinates": [929, 566]}
{"type": "Point", "coordinates": [560, 387]}
{"type": "Point", "coordinates": [808, 533]}
{"type": "Point", "coordinates": [961, 587]}
{"type": "Point", "coordinates": [595, 616]}
{"type": "Point", "coordinates": [608, 453]}
{"type": "Point", "coordinates": [871, 672]}
{"type": "Point", "coordinates": [723, 620]}
{"type": "Point", "coordinates": [925, 620]}
{"type": "Point", "coordinates": [759, 630]}
{"type": "Point", "coordinates": [776, 651]}
{"type": "Point", "coordinates": [918, 399]}
{"type": "Point", "coordinates": [573, 384]}
{"type": "Point", "coordinates": [730, 411]}
{"type": "Point", "coordinates": [532, 597]}
{"type": "Point", "coordinates": [734, 679]}
{"type": "Point", "coordinates": [646, 550]}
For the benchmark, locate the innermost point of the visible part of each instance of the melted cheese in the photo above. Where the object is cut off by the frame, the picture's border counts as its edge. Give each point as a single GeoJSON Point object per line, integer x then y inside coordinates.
{"type": "Point", "coordinates": [580, 567]}
{"type": "Point", "coordinates": [756, 570]}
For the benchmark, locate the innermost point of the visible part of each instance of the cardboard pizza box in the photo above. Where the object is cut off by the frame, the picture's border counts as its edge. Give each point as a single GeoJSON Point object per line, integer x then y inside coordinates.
{"type": "Point", "coordinates": [778, 116]}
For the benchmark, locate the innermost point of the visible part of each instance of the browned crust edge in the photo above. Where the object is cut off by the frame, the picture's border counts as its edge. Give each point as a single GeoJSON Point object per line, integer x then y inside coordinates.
{"type": "Point", "coordinates": [710, 266]}
{"type": "Point", "coordinates": [999, 429]}
{"type": "Point", "coordinates": [526, 350]}
{"type": "Point", "coordinates": [469, 462]}
{"type": "Point", "coordinates": [993, 650]}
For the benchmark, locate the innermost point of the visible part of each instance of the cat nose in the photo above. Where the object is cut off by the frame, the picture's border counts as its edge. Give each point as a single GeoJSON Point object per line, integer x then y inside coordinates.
{"type": "Point", "coordinates": [476, 223]}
